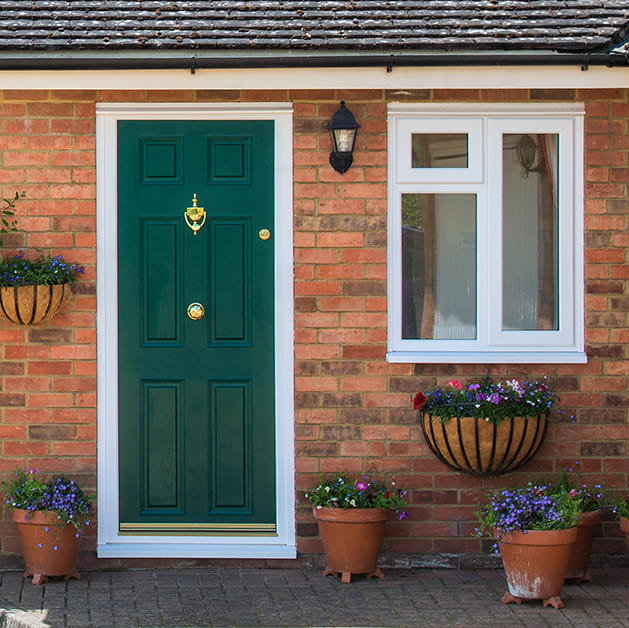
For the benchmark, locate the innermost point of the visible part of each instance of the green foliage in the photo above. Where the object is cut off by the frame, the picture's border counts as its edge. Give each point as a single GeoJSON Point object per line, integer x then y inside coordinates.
{"type": "Point", "coordinates": [493, 401]}
{"type": "Point", "coordinates": [620, 506]}
{"type": "Point", "coordinates": [27, 490]}
{"type": "Point", "coordinates": [45, 269]}
{"type": "Point", "coordinates": [589, 497]}
{"type": "Point", "coordinates": [8, 223]}
{"type": "Point", "coordinates": [535, 506]}
{"type": "Point", "coordinates": [412, 215]}
{"type": "Point", "coordinates": [340, 491]}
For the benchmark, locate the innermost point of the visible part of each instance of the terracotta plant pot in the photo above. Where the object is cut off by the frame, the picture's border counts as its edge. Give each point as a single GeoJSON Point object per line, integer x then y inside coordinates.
{"type": "Point", "coordinates": [478, 447]}
{"type": "Point", "coordinates": [624, 526]}
{"type": "Point", "coordinates": [27, 305]}
{"type": "Point", "coordinates": [50, 548]}
{"type": "Point", "coordinates": [535, 564]}
{"type": "Point", "coordinates": [580, 557]}
{"type": "Point", "coordinates": [351, 540]}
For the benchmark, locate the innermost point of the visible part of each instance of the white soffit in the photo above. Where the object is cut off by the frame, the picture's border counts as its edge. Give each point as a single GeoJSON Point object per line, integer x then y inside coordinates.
{"type": "Point", "coordinates": [453, 77]}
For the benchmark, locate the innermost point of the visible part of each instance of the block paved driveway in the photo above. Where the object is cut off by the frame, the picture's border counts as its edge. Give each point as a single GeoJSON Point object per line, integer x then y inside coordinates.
{"type": "Point", "coordinates": [250, 597]}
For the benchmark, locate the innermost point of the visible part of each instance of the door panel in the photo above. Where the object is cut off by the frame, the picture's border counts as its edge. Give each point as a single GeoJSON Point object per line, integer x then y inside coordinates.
{"type": "Point", "coordinates": [196, 397]}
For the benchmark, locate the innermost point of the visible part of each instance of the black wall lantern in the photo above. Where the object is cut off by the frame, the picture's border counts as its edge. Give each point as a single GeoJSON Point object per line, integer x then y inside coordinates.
{"type": "Point", "coordinates": [343, 129]}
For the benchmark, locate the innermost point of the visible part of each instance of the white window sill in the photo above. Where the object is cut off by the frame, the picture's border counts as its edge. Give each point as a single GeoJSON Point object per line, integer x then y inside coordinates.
{"type": "Point", "coordinates": [487, 357]}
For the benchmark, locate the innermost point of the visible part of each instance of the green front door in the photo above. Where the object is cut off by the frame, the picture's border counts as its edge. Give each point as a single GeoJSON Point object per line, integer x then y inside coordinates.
{"type": "Point", "coordinates": [196, 327]}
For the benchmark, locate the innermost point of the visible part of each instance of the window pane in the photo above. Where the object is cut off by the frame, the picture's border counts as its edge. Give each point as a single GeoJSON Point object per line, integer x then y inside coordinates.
{"type": "Point", "coordinates": [439, 266]}
{"type": "Point", "coordinates": [530, 284]}
{"type": "Point", "coordinates": [439, 150]}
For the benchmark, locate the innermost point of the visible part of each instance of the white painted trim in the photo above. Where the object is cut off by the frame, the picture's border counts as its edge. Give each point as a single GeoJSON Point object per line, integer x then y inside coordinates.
{"type": "Point", "coordinates": [110, 543]}
{"type": "Point", "coordinates": [493, 345]}
{"type": "Point", "coordinates": [400, 78]}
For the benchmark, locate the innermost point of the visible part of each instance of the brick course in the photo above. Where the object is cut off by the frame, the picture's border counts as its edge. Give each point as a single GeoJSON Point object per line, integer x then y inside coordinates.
{"type": "Point", "coordinates": [352, 409]}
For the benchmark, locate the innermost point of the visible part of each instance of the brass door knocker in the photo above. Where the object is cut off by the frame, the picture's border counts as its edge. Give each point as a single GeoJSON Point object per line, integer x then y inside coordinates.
{"type": "Point", "coordinates": [195, 216]}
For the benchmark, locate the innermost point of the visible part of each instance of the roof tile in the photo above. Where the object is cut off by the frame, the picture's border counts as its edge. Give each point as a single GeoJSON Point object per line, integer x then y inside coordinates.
{"type": "Point", "coordinates": [571, 25]}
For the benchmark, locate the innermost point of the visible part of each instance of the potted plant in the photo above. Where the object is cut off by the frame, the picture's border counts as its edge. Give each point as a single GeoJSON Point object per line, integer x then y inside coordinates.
{"type": "Point", "coordinates": [485, 427]}
{"type": "Point", "coordinates": [621, 510]}
{"type": "Point", "coordinates": [535, 530]}
{"type": "Point", "coordinates": [351, 515]}
{"type": "Point", "coordinates": [32, 290]}
{"type": "Point", "coordinates": [590, 500]}
{"type": "Point", "coordinates": [51, 516]}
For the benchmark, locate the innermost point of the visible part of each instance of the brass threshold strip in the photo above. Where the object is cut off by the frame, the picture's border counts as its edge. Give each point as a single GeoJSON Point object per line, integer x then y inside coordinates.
{"type": "Point", "coordinates": [241, 529]}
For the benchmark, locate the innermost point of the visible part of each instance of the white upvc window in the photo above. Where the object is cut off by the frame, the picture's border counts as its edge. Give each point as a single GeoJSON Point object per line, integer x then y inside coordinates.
{"type": "Point", "coordinates": [485, 233]}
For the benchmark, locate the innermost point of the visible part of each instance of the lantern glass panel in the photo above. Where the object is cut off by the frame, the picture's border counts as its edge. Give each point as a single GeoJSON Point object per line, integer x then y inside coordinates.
{"type": "Point", "coordinates": [344, 140]}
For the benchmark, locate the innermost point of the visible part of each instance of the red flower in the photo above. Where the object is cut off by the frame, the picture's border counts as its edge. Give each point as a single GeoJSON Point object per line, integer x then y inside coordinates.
{"type": "Point", "coordinates": [419, 400]}
{"type": "Point", "coordinates": [455, 383]}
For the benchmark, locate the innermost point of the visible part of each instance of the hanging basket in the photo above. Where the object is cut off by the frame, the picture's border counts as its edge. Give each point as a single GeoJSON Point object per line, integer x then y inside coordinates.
{"type": "Point", "coordinates": [478, 447]}
{"type": "Point", "coordinates": [28, 305]}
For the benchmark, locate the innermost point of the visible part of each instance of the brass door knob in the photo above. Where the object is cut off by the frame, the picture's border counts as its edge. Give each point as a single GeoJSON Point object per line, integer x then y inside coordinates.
{"type": "Point", "coordinates": [264, 234]}
{"type": "Point", "coordinates": [196, 311]}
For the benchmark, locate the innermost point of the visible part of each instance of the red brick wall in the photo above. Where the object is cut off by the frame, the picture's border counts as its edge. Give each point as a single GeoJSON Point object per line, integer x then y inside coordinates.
{"type": "Point", "coordinates": [353, 409]}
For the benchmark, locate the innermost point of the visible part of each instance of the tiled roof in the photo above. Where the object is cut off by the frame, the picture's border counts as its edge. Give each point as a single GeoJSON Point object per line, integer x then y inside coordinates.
{"type": "Point", "coordinates": [66, 25]}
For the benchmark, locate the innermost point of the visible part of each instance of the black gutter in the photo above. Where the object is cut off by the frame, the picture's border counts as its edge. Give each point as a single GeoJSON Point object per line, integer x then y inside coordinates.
{"type": "Point", "coordinates": [235, 60]}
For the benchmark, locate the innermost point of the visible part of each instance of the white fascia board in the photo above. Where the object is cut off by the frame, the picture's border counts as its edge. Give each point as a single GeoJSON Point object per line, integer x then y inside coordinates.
{"type": "Point", "coordinates": [400, 78]}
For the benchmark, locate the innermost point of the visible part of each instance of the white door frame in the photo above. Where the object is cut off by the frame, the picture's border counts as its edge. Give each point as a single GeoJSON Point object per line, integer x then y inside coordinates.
{"type": "Point", "coordinates": [111, 543]}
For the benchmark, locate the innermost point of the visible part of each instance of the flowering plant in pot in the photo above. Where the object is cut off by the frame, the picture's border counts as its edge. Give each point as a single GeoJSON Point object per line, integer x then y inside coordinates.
{"type": "Point", "coordinates": [620, 508]}
{"type": "Point", "coordinates": [350, 514]}
{"type": "Point", "coordinates": [535, 530]}
{"type": "Point", "coordinates": [33, 289]}
{"type": "Point", "coordinates": [51, 515]}
{"type": "Point", "coordinates": [590, 499]}
{"type": "Point", "coordinates": [484, 427]}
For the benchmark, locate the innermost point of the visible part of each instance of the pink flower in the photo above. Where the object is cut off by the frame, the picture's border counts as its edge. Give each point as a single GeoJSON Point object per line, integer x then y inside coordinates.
{"type": "Point", "coordinates": [455, 383]}
{"type": "Point", "coordinates": [361, 486]}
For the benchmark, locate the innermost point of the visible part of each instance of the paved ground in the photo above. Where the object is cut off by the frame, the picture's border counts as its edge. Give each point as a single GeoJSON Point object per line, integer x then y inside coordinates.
{"type": "Point", "coordinates": [301, 597]}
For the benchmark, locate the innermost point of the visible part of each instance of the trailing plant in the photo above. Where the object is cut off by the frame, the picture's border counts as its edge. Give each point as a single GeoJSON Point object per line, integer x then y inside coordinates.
{"type": "Point", "coordinates": [535, 506]}
{"type": "Point", "coordinates": [590, 497]}
{"type": "Point", "coordinates": [8, 223]}
{"type": "Point", "coordinates": [492, 401]}
{"type": "Point", "coordinates": [27, 490]}
{"type": "Point", "coordinates": [19, 270]}
{"type": "Point", "coordinates": [340, 491]}
{"type": "Point", "coordinates": [620, 506]}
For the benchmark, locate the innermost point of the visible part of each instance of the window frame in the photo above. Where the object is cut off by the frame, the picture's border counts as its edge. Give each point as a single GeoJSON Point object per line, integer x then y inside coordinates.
{"type": "Point", "coordinates": [486, 124]}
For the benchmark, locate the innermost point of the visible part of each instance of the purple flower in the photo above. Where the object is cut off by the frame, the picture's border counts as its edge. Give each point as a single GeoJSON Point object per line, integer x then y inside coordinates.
{"type": "Point", "coordinates": [494, 398]}
{"type": "Point", "coordinates": [473, 387]}
{"type": "Point", "coordinates": [361, 486]}
{"type": "Point", "coordinates": [403, 515]}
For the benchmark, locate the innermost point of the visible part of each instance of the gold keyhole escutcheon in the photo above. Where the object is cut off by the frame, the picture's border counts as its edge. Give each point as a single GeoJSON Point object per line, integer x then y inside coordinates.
{"type": "Point", "coordinates": [196, 311]}
{"type": "Point", "coordinates": [264, 234]}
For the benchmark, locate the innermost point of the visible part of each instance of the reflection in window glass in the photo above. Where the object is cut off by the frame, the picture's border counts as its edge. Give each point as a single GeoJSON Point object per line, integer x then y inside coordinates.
{"type": "Point", "coordinates": [439, 266]}
{"type": "Point", "coordinates": [530, 283]}
{"type": "Point", "coordinates": [439, 150]}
